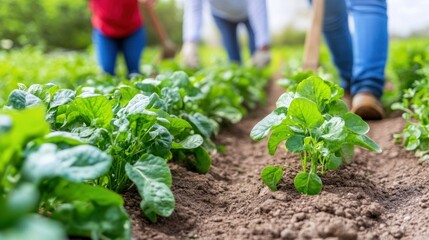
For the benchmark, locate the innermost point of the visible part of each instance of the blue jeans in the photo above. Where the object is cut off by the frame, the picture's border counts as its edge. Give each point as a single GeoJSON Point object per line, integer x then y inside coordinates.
{"type": "Point", "coordinates": [228, 31]}
{"type": "Point", "coordinates": [360, 59]}
{"type": "Point", "coordinates": [107, 49]}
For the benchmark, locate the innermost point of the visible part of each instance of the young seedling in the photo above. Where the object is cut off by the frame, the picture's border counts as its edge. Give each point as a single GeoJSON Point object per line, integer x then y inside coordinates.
{"type": "Point", "coordinates": [316, 125]}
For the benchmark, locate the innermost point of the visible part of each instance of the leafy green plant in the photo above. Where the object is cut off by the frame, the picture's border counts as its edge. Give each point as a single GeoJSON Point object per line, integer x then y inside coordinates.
{"type": "Point", "coordinates": [408, 59]}
{"type": "Point", "coordinates": [144, 123]}
{"type": "Point", "coordinates": [316, 124]}
{"type": "Point", "coordinates": [47, 173]}
{"type": "Point", "coordinates": [126, 135]}
{"type": "Point", "coordinates": [415, 104]}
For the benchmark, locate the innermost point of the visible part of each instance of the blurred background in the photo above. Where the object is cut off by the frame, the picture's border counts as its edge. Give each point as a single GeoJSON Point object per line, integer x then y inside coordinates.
{"type": "Point", "coordinates": [65, 24]}
{"type": "Point", "coordinates": [50, 41]}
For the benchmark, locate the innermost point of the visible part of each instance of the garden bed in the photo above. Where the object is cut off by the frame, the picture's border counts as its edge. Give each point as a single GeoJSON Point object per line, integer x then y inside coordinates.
{"type": "Point", "coordinates": [378, 196]}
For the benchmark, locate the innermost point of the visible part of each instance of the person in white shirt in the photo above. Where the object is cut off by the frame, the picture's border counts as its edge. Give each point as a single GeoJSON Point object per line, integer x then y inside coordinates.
{"type": "Point", "coordinates": [228, 14]}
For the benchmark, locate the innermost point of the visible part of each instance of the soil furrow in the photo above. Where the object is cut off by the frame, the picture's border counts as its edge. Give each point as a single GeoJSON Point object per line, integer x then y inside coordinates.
{"type": "Point", "coordinates": [378, 196]}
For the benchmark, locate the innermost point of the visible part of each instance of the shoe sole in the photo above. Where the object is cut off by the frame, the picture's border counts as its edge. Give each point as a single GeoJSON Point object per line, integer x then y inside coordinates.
{"type": "Point", "coordinates": [369, 113]}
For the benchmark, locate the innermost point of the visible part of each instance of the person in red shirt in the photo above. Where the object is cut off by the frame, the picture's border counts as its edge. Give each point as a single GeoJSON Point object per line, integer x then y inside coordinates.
{"type": "Point", "coordinates": [118, 27]}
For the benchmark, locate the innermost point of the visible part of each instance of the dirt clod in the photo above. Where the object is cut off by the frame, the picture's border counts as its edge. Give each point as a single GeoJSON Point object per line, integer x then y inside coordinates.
{"type": "Point", "coordinates": [288, 234]}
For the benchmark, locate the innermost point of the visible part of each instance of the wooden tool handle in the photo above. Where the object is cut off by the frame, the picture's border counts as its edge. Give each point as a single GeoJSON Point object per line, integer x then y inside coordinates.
{"type": "Point", "coordinates": [312, 39]}
{"type": "Point", "coordinates": [159, 29]}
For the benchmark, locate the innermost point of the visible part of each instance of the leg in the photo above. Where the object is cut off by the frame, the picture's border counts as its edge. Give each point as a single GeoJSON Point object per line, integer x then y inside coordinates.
{"type": "Point", "coordinates": [228, 31]}
{"type": "Point", "coordinates": [338, 39]}
{"type": "Point", "coordinates": [252, 43]}
{"type": "Point", "coordinates": [370, 43]}
{"type": "Point", "coordinates": [132, 46]}
{"type": "Point", "coordinates": [106, 50]}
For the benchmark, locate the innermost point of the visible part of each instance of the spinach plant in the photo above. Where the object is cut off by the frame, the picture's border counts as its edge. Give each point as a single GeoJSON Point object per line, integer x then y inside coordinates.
{"type": "Point", "coordinates": [415, 104]}
{"type": "Point", "coordinates": [143, 123]}
{"type": "Point", "coordinates": [316, 124]}
{"type": "Point", "coordinates": [44, 190]}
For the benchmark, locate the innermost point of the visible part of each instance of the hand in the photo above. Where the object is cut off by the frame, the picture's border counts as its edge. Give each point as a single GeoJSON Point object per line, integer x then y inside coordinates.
{"type": "Point", "coordinates": [262, 57]}
{"type": "Point", "coordinates": [148, 3]}
{"type": "Point", "coordinates": [190, 56]}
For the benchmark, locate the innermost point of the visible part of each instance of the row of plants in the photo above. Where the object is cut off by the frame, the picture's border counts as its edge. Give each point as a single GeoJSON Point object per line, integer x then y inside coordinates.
{"type": "Point", "coordinates": [103, 137]}
{"type": "Point", "coordinates": [415, 105]}
{"type": "Point", "coordinates": [43, 182]}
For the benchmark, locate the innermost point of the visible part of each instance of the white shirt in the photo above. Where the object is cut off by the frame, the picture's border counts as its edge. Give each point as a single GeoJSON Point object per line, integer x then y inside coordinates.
{"type": "Point", "coordinates": [231, 10]}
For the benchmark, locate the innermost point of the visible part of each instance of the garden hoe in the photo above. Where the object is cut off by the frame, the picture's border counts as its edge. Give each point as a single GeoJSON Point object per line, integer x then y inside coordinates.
{"type": "Point", "coordinates": [169, 49]}
{"type": "Point", "coordinates": [312, 39]}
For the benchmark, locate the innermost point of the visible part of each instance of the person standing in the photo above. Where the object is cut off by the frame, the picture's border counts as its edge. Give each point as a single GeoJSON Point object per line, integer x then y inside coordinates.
{"type": "Point", "coordinates": [227, 16]}
{"type": "Point", "coordinates": [118, 27]}
{"type": "Point", "coordinates": [361, 58]}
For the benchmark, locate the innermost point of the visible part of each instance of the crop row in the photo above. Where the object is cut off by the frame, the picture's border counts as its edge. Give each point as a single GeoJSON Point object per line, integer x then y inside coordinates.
{"type": "Point", "coordinates": [415, 101]}
{"type": "Point", "coordinates": [67, 153]}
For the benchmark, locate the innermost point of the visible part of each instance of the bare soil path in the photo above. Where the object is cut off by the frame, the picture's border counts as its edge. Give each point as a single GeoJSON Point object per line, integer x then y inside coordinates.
{"type": "Point", "coordinates": [378, 196]}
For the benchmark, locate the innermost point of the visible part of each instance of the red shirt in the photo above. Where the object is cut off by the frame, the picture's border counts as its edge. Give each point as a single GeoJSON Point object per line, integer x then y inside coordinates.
{"type": "Point", "coordinates": [116, 18]}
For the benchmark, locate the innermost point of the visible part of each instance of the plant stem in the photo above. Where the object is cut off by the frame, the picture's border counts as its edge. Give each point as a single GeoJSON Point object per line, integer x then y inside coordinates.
{"type": "Point", "coordinates": [314, 162]}
{"type": "Point", "coordinates": [304, 162]}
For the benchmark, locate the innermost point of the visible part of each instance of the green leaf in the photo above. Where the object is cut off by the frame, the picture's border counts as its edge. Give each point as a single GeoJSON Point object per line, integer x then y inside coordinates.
{"type": "Point", "coordinates": [152, 168]}
{"type": "Point", "coordinates": [95, 110]}
{"type": "Point", "coordinates": [337, 107]}
{"type": "Point", "coordinates": [190, 142]}
{"type": "Point", "coordinates": [63, 137]}
{"type": "Point", "coordinates": [161, 140]}
{"type": "Point", "coordinates": [262, 128]}
{"type": "Point", "coordinates": [337, 92]}
{"type": "Point", "coordinates": [347, 152]}
{"type": "Point", "coordinates": [153, 178]}
{"type": "Point", "coordinates": [202, 160]}
{"type": "Point", "coordinates": [304, 113]}
{"type": "Point", "coordinates": [17, 129]}
{"type": "Point", "coordinates": [172, 98]}
{"type": "Point", "coordinates": [125, 94]}
{"type": "Point", "coordinates": [34, 227]}
{"type": "Point", "coordinates": [285, 99]}
{"type": "Point", "coordinates": [180, 79]}
{"type": "Point", "coordinates": [412, 136]}
{"type": "Point", "coordinates": [412, 143]}
{"type": "Point", "coordinates": [62, 97]}
{"type": "Point", "coordinates": [88, 219]}
{"type": "Point", "coordinates": [295, 143]}
{"type": "Point", "coordinates": [363, 141]}
{"type": "Point", "coordinates": [148, 86]}
{"type": "Point", "coordinates": [77, 164]}
{"type": "Point", "coordinates": [308, 183]}
{"type": "Point", "coordinates": [278, 135]}
{"type": "Point", "coordinates": [333, 130]}
{"type": "Point", "coordinates": [314, 89]}
{"type": "Point", "coordinates": [70, 191]}
{"type": "Point", "coordinates": [202, 124]}
{"type": "Point", "coordinates": [178, 125]}
{"type": "Point", "coordinates": [19, 99]}
{"type": "Point", "coordinates": [20, 201]}
{"type": "Point", "coordinates": [39, 91]}
{"type": "Point", "coordinates": [334, 162]}
{"type": "Point", "coordinates": [136, 105]}
{"type": "Point", "coordinates": [157, 198]}
{"type": "Point", "coordinates": [230, 113]}
{"type": "Point", "coordinates": [355, 123]}
{"type": "Point", "coordinates": [271, 176]}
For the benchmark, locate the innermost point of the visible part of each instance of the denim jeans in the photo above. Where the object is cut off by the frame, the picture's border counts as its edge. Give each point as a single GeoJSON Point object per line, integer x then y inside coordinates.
{"type": "Point", "coordinates": [107, 49]}
{"type": "Point", "coordinates": [360, 59]}
{"type": "Point", "coordinates": [228, 31]}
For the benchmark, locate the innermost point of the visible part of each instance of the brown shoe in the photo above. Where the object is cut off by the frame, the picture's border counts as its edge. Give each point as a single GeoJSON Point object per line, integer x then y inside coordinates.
{"type": "Point", "coordinates": [367, 106]}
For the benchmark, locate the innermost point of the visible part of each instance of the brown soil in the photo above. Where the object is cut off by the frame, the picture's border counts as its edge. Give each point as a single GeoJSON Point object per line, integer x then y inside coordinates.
{"type": "Point", "coordinates": [378, 196]}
